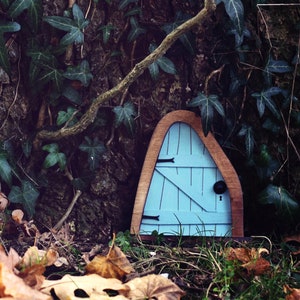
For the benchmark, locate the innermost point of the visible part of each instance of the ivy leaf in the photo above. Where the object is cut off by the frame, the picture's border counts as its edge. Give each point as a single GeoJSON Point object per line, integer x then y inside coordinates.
{"type": "Point", "coordinates": [4, 59]}
{"type": "Point", "coordinates": [163, 62]}
{"type": "Point", "coordinates": [186, 39]}
{"type": "Point", "coordinates": [135, 31]}
{"type": "Point", "coordinates": [264, 98]}
{"type": "Point", "coordinates": [280, 198]}
{"type": "Point", "coordinates": [54, 157]}
{"type": "Point", "coordinates": [17, 7]}
{"type": "Point", "coordinates": [5, 169]}
{"type": "Point", "coordinates": [82, 182]}
{"type": "Point", "coordinates": [239, 37]}
{"type": "Point", "coordinates": [35, 14]}
{"type": "Point", "coordinates": [9, 27]}
{"type": "Point", "coordinates": [73, 26]}
{"type": "Point", "coordinates": [70, 93]}
{"type": "Point", "coordinates": [247, 132]}
{"type": "Point", "coordinates": [74, 36]}
{"type": "Point", "coordinates": [166, 65]}
{"type": "Point", "coordinates": [235, 11]}
{"type": "Point", "coordinates": [27, 195]}
{"type": "Point", "coordinates": [94, 148]}
{"type": "Point", "coordinates": [207, 105]}
{"type": "Point", "coordinates": [125, 114]}
{"type": "Point", "coordinates": [125, 3]}
{"type": "Point", "coordinates": [65, 116]}
{"type": "Point", "coordinates": [80, 72]}
{"type": "Point", "coordinates": [271, 126]}
{"type": "Point", "coordinates": [62, 23]}
{"type": "Point", "coordinates": [106, 32]}
{"type": "Point", "coordinates": [277, 66]}
{"type": "Point", "coordinates": [54, 75]}
{"type": "Point", "coordinates": [154, 70]}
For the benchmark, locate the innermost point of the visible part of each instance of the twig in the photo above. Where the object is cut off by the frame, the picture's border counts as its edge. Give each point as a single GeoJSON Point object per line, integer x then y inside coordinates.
{"type": "Point", "coordinates": [90, 115]}
{"type": "Point", "coordinates": [60, 223]}
{"type": "Point", "coordinates": [78, 193]}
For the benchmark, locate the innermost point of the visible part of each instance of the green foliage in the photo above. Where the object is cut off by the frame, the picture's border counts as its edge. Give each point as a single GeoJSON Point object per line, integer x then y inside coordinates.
{"type": "Point", "coordinates": [27, 195]}
{"type": "Point", "coordinates": [207, 105]}
{"type": "Point", "coordinates": [123, 240]}
{"type": "Point", "coordinates": [54, 157]}
{"type": "Point", "coordinates": [81, 73]}
{"type": "Point", "coordinates": [136, 30]}
{"type": "Point", "coordinates": [43, 69]}
{"type": "Point", "coordinates": [67, 117]}
{"type": "Point", "coordinates": [163, 63]}
{"type": "Point", "coordinates": [6, 27]}
{"type": "Point", "coordinates": [125, 115]}
{"type": "Point", "coordinates": [247, 132]}
{"type": "Point", "coordinates": [285, 205]}
{"type": "Point", "coordinates": [5, 169]}
{"type": "Point", "coordinates": [94, 148]}
{"type": "Point", "coordinates": [264, 99]}
{"type": "Point", "coordinates": [186, 39]}
{"type": "Point", "coordinates": [74, 26]}
{"type": "Point", "coordinates": [124, 3]}
{"type": "Point", "coordinates": [106, 32]}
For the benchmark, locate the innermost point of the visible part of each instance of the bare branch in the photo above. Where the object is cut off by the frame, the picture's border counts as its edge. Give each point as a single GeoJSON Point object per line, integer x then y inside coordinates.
{"type": "Point", "coordinates": [90, 115]}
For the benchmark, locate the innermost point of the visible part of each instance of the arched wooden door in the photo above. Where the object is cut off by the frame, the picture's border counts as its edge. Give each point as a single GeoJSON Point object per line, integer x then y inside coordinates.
{"type": "Point", "coordinates": [187, 185]}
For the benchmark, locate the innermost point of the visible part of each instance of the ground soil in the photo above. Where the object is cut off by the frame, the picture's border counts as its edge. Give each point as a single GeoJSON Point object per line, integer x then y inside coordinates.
{"type": "Point", "coordinates": [106, 206]}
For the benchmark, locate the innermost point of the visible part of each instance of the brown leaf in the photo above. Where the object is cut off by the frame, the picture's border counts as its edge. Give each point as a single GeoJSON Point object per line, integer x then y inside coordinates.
{"type": "Point", "coordinates": [33, 275]}
{"type": "Point", "coordinates": [154, 287]}
{"type": "Point", "coordinates": [292, 238]}
{"type": "Point", "coordinates": [13, 286]}
{"type": "Point", "coordinates": [35, 256]}
{"type": "Point", "coordinates": [293, 294]}
{"type": "Point", "coordinates": [94, 285]}
{"type": "Point", "coordinates": [11, 259]}
{"type": "Point", "coordinates": [3, 201]}
{"type": "Point", "coordinates": [114, 265]}
{"type": "Point", "coordinates": [250, 258]}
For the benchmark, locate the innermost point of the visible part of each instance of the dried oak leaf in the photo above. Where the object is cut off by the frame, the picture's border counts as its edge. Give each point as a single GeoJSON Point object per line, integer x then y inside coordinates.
{"type": "Point", "coordinates": [154, 287]}
{"type": "Point", "coordinates": [114, 265]}
{"type": "Point", "coordinates": [33, 265]}
{"type": "Point", "coordinates": [250, 258]}
{"type": "Point", "coordinates": [13, 286]}
{"type": "Point", "coordinates": [93, 285]}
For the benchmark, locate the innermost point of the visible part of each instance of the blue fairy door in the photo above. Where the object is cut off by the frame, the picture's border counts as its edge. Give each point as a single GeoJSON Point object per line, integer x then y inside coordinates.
{"type": "Point", "coordinates": [187, 194]}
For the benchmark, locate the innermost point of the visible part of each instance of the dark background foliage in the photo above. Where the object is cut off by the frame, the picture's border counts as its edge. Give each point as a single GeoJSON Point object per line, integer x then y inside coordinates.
{"type": "Point", "coordinates": [243, 66]}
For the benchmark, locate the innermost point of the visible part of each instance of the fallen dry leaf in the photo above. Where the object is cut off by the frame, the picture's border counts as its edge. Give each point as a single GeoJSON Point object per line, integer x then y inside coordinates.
{"type": "Point", "coordinates": [13, 286]}
{"type": "Point", "coordinates": [11, 259]}
{"type": "Point", "coordinates": [93, 285]}
{"type": "Point", "coordinates": [34, 256]}
{"type": "Point", "coordinates": [293, 294]}
{"type": "Point", "coordinates": [292, 238]}
{"type": "Point", "coordinates": [154, 287]}
{"type": "Point", "coordinates": [3, 201]}
{"type": "Point", "coordinates": [33, 275]}
{"type": "Point", "coordinates": [114, 265]}
{"type": "Point", "coordinates": [33, 265]}
{"type": "Point", "coordinates": [250, 258]}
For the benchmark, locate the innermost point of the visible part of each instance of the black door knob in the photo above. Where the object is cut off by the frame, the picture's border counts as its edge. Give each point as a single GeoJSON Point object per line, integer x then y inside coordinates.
{"type": "Point", "coordinates": [220, 187]}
